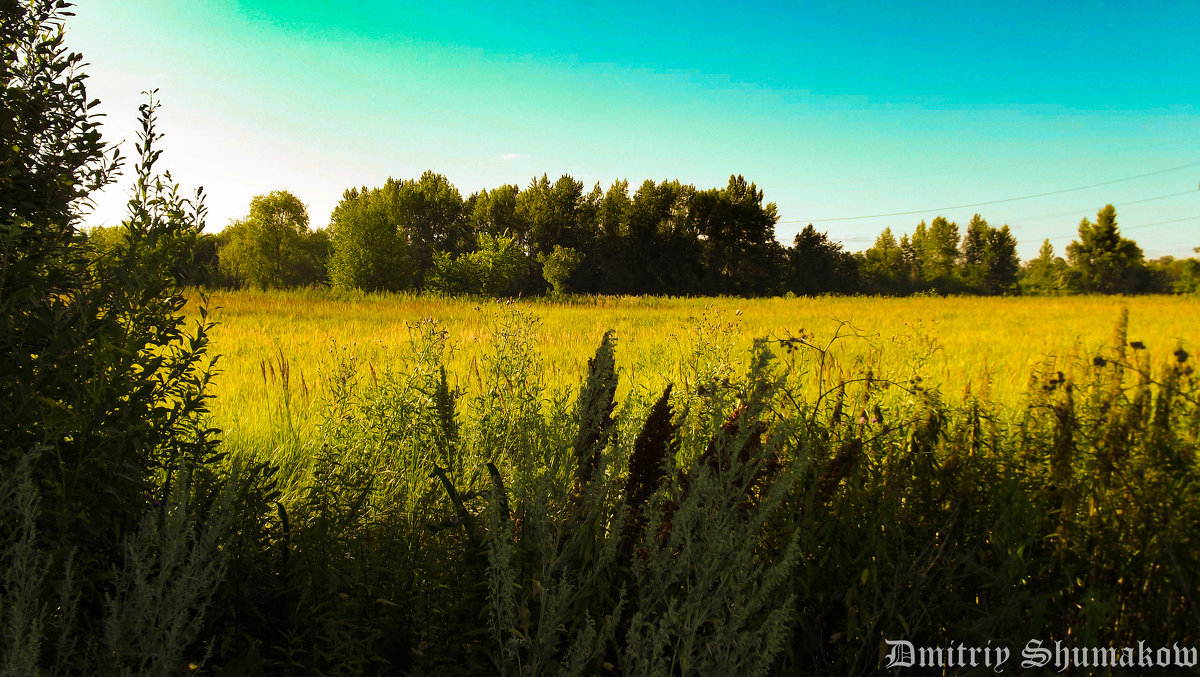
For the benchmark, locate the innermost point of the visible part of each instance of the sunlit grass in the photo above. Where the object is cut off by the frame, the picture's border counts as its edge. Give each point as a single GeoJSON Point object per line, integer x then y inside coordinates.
{"type": "Point", "coordinates": [959, 345]}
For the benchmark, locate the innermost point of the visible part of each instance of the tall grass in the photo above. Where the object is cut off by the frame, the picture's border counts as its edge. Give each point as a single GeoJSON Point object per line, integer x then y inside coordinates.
{"type": "Point", "coordinates": [779, 508]}
{"type": "Point", "coordinates": [961, 345]}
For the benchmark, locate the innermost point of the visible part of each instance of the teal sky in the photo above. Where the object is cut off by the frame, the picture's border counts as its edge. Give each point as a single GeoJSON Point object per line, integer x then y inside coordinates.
{"type": "Point", "coordinates": [834, 109]}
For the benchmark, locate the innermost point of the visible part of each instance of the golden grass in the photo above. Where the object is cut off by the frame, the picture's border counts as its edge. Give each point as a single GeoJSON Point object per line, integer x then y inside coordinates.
{"type": "Point", "coordinates": [961, 344]}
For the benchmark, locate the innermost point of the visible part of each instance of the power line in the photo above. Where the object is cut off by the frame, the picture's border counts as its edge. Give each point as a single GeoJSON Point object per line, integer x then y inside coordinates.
{"type": "Point", "coordinates": [994, 202]}
{"type": "Point", "coordinates": [1040, 161]}
{"type": "Point", "coordinates": [1018, 222]}
{"type": "Point", "coordinates": [1144, 225]}
{"type": "Point", "coordinates": [1159, 223]}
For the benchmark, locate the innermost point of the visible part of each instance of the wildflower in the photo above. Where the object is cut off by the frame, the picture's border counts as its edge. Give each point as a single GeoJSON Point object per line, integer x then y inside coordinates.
{"type": "Point", "coordinates": [1181, 355]}
{"type": "Point", "coordinates": [1137, 345]}
{"type": "Point", "coordinates": [1099, 361]}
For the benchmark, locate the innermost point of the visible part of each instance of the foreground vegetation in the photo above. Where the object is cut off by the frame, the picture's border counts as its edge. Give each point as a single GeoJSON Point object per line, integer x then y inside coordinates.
{"type": "Point", "coordinates": [746, 524]}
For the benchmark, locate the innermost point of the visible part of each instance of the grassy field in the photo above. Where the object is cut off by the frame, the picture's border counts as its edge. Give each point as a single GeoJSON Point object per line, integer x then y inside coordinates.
{"type": "Point", "coordinates": [939, 470]}
{"type": "Point", "coordinates": [276, 347]}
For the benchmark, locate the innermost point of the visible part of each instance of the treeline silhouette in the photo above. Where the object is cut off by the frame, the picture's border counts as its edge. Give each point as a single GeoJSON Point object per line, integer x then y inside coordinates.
{"type": "Point", "coordinates": [662, 238]}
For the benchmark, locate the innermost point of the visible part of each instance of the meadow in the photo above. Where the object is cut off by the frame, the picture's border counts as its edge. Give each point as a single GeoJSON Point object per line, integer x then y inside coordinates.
{"type": "Point", "coordinates": [276, 347]}
{"type": "Point", "coordinates": [717, 486]}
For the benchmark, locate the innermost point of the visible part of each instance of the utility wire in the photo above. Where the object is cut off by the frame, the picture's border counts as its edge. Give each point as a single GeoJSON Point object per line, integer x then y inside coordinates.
{"type": "Point", "coordinates": [994, 202]}
{"type": "Point", "coordinates": [1125, 228]}
{"type": "Point", "coordinates": [1040, 161]}
{"type": "Point", "coordinates": [1018, 222]}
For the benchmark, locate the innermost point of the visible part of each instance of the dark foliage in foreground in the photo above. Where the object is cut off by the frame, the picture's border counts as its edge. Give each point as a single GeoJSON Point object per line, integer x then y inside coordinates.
{"type": "Point", "coordinates": [728, 525]}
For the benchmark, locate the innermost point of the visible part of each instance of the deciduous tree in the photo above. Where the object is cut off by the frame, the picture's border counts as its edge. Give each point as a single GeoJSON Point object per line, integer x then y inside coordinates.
{"type": "Point", "coordinates": [1101, 260]}
{"type": "Point", "coordinates": [273, 247]}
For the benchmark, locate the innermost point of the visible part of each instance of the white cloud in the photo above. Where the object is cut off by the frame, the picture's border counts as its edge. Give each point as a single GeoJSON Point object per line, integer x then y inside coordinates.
{"type": "Point", "coordinates": [510, 156]}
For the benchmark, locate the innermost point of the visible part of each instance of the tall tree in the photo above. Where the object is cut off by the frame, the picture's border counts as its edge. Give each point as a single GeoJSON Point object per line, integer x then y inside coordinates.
{"type": "Point", "coordinates": [917, 256]}
{"type": "Point", "coordinates": [911, 277]}
{"type": "Point", "coordinates": [367, 250]}
{"type": "Point", "coordinates": [661, 238]}
{"type": "Point", "coordinates": [989, 258]}
{"type": "Point", "coordinates": [386, 237]}
{"type": "Point", "coordinates": [940, 255]}
{"type": "Point", "coordinates": [816, 264]}
{"type": "Point", "coordinates": [974, 252]}
{"type": "Point", "coordinates": [737, 231]}
{"type": "Point", "coordinates": [1101, 260]}
{"type": "Point", "coordinates": [882, 267]}
{"type": "Point", "coordinates": [613, 257]}
{"type": "Point", "coordinates": [495, 212]}
{"type": "Point", "coordinates": [1046, 274]}
{"type": "Point", "coordinates": [269, 248]}
{"type": "Point", "coordinates": [430, 217]}
{"type": "Point", "coordinates": [1001, 263]}
{"type": "Point", "coordinates": [552, 212]}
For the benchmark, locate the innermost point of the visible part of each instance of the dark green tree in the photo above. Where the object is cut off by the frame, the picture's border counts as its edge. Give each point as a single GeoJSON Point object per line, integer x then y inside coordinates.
{"type": "Point", "coordinates": [555, 214]}
{"type": "Point", "coordinates": [917, 257]}
{"type": "Point", "coordinates": [739, 251]}
{"type": "Point", "coordinates": [661, 238]}
{"type": "Point", "coordinates": [273, 247]}
{"type": "Point", "coordinates": [911, 277]}
{"type": "Point", "coordinates": [974, 253]}
{"type": "Point", "coordinates": [614, 271]}
{"type": "Point", "coordinates": [1188, 279]}
{"type": "Point", "coordinates": [939, 256]}
{"type": "Point", "coordinates": [385, 238]}
{"type": "Point", "coordinates": [1102, 261]}
{"type": "Point", "coordinates": [495, 212]}
{"type": "Point", "coordinates": [816, 264]}
{"type": "Point", "coordinates": [989, 259]}
{"type": "Point", "coordinates": [367, 250]}
{"type": "Point", "coordinates": [1046, 274]}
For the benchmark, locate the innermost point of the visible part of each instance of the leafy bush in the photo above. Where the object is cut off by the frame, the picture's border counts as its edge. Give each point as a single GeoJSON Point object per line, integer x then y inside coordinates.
{"type": "Point", "coordinates": [558, 266]}
{"type": "Point", "coordinates": [495, 269]}
{"type": "Point", "coordinates": [104, 463]}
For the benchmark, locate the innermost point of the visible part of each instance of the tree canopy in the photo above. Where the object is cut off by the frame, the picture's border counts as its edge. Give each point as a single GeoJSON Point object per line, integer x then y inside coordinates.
{"type": "Point", "coordinates": [665, 237]}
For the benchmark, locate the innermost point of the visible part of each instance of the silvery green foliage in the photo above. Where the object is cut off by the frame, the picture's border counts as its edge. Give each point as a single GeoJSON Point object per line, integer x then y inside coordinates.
{"type": "Point", "coordinates": [172, 567]}
{"type": "Point", "coordinates": [23, 614]}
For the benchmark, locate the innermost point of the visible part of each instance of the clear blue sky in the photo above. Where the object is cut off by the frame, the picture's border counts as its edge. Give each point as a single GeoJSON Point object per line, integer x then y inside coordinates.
{"type": "Point", "coordinates": [834, 109]}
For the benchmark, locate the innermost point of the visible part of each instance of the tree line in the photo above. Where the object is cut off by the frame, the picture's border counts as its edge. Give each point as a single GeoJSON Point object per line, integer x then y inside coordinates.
{"type": "Point", "coordinates": [663, 238]}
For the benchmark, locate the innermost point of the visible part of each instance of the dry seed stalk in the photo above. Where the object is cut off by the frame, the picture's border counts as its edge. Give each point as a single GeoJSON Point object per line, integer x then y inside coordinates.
{"type": "Point", "coordinates": [647, 464]}
{"type": "Point", "coordinates": [594, 408]}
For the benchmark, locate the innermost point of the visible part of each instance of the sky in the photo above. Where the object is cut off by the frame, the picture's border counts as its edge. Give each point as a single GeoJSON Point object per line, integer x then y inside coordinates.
{"type": "Point", "coordinates": [1033, 115]}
